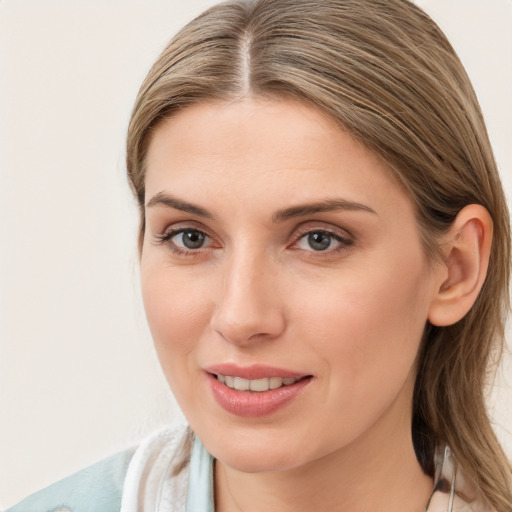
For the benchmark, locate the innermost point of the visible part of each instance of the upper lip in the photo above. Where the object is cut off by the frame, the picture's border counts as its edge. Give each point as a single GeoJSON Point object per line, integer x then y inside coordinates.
{"type": "Point", "coordinates": [252, 372]}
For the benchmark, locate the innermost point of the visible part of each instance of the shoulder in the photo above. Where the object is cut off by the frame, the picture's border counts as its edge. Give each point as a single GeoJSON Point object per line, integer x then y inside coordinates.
{"type": "Point", "coordinates": [96, 488]}
{"type": "Point", "coordinates": [154, 473]}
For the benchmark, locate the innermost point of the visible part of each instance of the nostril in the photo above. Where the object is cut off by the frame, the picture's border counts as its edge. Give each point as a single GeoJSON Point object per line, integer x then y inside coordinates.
{"type": "Point", "coordinates": [259, 327]}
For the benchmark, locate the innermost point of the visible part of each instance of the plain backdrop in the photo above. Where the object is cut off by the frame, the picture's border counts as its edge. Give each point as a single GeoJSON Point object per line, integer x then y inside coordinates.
{"type": "Point", "coordinates": [78, 376]}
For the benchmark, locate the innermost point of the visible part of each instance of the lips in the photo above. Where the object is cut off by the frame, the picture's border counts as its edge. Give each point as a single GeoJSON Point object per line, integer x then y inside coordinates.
{"type": "Point", "coordinates": [256, 390]}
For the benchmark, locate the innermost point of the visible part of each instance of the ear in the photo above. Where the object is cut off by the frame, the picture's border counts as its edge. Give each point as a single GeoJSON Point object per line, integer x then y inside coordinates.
{"type": "Point", "coordinates": [466, 248]}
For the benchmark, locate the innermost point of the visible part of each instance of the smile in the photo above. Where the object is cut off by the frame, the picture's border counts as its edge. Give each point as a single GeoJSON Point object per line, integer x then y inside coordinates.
{"type": "Point", "coordinates": [258, 396]}
{"type": "Point", "coordinates": [256, 385]}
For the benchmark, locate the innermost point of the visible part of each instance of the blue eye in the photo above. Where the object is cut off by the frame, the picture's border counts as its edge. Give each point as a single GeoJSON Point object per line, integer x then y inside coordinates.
{"type": "Point", "coordinates": [319, 240]}
{"type": "Point", "coordinates": [189, 239]}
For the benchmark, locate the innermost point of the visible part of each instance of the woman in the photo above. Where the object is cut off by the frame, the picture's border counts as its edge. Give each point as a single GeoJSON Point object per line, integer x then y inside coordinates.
{"type": "Point", "coordinates": [325, 255]}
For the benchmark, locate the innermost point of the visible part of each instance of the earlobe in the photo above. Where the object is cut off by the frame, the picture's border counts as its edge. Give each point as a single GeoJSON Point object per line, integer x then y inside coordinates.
{"type": "Point", "coordinates": [467, 249]}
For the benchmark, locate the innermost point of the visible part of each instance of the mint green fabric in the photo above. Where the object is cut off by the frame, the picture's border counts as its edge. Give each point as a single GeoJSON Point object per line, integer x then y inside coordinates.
{"type": "Point", "coordinates": [97, 488]}
{"type": "Point", "coordinates": [200, 480]}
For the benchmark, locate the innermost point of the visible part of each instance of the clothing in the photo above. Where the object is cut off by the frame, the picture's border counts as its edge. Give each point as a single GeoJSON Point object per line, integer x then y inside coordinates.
{"type": "Point", "coordinates": [95, 489]}
{"type": "Point", "coordinates": [171, 471]}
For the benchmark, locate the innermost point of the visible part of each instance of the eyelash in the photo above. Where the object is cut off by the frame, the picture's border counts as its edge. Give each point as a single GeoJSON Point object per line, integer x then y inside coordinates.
{"type": "Point", "coordinates": [165, 238]}
{"type": "Point", "coordinates": [343, 242]}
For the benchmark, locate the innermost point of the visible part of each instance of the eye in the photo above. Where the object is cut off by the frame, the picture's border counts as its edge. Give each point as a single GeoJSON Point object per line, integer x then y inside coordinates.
{"type": "Point", "coordinates": [184, 240]}
{"type": "Point", "coordinates": [321, 240]}
{"type": "Point", "coordinates": [189, 239]}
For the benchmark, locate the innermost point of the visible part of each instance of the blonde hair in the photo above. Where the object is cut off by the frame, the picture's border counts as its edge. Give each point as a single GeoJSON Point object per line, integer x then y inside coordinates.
{"type": "Point", "coordinates": [386, 73]}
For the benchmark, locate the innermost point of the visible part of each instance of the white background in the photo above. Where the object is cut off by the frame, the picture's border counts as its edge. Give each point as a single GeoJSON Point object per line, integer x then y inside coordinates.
{"type": "Point", "coordinates": [78, 376]}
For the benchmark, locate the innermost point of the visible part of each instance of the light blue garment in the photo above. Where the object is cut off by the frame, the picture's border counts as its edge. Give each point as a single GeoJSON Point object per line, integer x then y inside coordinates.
{"type": "Point", "coordinates": [200, 480]}
{"type": "Point", "coordinates": [97, 488]}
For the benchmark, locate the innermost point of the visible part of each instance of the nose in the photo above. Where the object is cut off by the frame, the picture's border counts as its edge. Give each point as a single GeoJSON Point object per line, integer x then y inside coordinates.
{"type": "Point", "coordinates": [248, 307]}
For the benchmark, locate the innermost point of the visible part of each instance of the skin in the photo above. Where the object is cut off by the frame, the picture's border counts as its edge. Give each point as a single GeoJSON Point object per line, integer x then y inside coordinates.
{"type": "Point", "coordinates": [257, 292]}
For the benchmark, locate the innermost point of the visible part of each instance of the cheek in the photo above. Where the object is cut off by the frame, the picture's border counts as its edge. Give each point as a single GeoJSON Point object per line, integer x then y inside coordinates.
{"type": "Point", "coordinates": [367, 330]}
{"type": "Point", "coordinates": [177, 313]}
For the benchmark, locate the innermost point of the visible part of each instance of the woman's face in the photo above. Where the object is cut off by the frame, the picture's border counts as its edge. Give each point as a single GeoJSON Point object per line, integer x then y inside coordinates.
{"type": "Point", "coordinates": [281, 256]}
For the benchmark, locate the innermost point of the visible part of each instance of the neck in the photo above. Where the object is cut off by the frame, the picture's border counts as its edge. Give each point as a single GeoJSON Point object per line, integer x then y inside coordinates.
{"type": "Point", "coordinates": [378, 471]}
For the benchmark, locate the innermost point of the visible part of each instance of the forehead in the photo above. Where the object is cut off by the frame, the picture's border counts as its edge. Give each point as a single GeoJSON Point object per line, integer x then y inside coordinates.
{"type": "Point", "coordinates": [281, 149]}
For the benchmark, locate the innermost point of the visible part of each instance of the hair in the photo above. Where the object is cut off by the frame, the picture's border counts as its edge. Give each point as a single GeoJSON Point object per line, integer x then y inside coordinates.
{"type": "Point", "coordinates": [387, 75]}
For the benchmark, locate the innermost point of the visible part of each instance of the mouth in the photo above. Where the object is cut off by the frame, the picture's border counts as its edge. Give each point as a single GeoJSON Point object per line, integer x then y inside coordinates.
{"type": "Point", "coordinates": [256, 390]}
{"type": "Point", "coordinates": [256, 385]}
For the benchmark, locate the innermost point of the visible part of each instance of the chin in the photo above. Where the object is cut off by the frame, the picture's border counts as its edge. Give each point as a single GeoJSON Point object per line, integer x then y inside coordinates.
{"type": "Point", "coordinates": [258, 461]}
{"type": "Point", "coordinates": [253, 453]}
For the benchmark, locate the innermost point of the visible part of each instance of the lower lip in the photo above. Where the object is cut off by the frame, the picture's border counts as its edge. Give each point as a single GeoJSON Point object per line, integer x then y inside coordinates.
{"type": "Point", "coordinates": [251, 404]}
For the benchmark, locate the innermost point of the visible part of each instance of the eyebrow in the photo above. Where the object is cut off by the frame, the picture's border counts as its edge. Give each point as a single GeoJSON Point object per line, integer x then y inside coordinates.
{"type": "Point", "coordinates": [328, 205]}
{"type": "Point", "coordinates": [162, 199]}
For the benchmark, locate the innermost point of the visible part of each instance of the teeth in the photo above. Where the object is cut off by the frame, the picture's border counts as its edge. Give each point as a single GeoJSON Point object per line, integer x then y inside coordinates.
{"type": "Point", "coordinates": [275, 382]}
{"type": "Point", "coordinates": [257, 385]}
{"type": "Point", "coordinates": [242, 384]}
